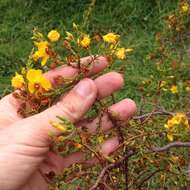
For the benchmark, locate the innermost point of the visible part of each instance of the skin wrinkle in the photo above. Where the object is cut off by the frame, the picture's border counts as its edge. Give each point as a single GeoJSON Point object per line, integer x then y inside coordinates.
{"type": "Point", "coordinates": [30, 150]}
{"type": "Point", "coordinates": [69, 109]}
{"type": "Point", "coordinates": [67, 72]}
{"type": "Point", "coordinates": [99, 65]}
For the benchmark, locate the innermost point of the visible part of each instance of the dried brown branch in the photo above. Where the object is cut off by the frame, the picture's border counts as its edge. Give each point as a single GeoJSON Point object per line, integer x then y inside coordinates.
{"type": "Point", "coordinates": [153, 113]}
{"type": "Point", "coordinates": [109, 167]}
{"type": "Point", "coordinates": [148, 177]}
{"type": "Point", "coordinates": [171, 145]}
{"type": "Point", "coordinates": [93, 151]}
{"type": "Point", "coordinates": [159, 111]}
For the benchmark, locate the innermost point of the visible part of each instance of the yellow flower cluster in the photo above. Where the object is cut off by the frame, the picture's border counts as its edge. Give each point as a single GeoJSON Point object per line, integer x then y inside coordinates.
{"type": "Point", "coordinates": [43, 46]}
{"type": "Point", "coordinates": [110, 38]}
{"type": "Point", "coordinates": [35, 81]}
{"type": "Point", "coordinates": [164, 85]}
{"type": "Point", "coordinates": [32, 81]}
{"type": "Point", "coordinates": [177, 119]}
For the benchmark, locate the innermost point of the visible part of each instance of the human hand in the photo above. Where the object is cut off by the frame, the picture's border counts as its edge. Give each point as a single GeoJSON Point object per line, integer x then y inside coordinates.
{"type": "Point", "coordinates": [25, 156]}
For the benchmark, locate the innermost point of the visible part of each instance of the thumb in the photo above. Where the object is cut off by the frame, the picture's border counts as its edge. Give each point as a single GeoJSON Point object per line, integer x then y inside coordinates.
{"type": "Point", "coordinates": [72, 107]}
{"type": "Point", "coordinates": [25, 144]}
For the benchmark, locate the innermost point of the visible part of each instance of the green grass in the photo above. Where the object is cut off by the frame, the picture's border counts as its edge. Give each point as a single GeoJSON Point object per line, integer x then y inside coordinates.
{"type": "Point", "coordinates": [137, 21]}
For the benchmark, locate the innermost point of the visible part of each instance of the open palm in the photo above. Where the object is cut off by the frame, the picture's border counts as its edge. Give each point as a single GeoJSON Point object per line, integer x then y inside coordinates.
{"type": "Point", "coordinates": [25, 158]}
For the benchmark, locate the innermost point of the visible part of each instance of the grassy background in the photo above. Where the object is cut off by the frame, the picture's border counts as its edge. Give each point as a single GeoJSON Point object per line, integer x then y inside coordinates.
{"type": "Point", "coordinates": [137, 21]}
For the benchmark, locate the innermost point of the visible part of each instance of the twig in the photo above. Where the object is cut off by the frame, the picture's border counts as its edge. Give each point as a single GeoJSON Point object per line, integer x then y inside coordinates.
{"type": "Point", "coordinates": [148, 177]}
{"type": "Point", "coordinates": [153, 113]}
{"type": "Point", "coordinates": [93, 151]}
{"type": "Point", "coordinates": [121, 140]}
{"type": "Point", "coordinates": [109, 167]}
{"type": "Point", "coordinates": [116, 123]}
{"type": "Point", "coordinates": [126, 170]}
{"type": "Point", "coordinates": [106, 186]}
{"type": "Point", "coordinates": [113, 98]}
{"type": "Point", "coordinates": [171, 145]}
{"type": "Point", "coordinates": [160, 111]}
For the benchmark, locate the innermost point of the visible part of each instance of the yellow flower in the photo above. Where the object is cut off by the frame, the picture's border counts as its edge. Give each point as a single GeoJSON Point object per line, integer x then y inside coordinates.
{"type": "Point", "coordinates": [41, 53]}
{"type": "Point", "coordinates": [182, 119]}
{"type": "Point", "coordinates": [178, 118]}
{"type": "Point", "coordinates": [36, 56]}
{"type": "Point", "coordinates": [171, 123]}
{"type": "Point", "coordinates": [120, 53]}
{"type": "Point", "coordinates": [85, 41]}
{"type": "Point", "coordinates": [53, 35]}
{"type": "Point", "coordinates": [17, 81]}
{"type": "Point", "coordinates": [36, 81]}
{"type": "Point", "coordinates": [111, 38]}
{"type": "Point", "coordinates": [174, 89]}
{"type": "Point", "coordinates": [184, 8]}
{"type": "Point", "coordinates": [41, 45]}
{"type": "Point", "coordinates": [170, 137]}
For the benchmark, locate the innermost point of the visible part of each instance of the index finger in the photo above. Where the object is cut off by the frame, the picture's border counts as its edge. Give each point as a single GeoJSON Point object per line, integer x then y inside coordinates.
{"type": "Point", "coordinates": [97, 65]}
{"type": "Point", "coordinates": [10, 115]}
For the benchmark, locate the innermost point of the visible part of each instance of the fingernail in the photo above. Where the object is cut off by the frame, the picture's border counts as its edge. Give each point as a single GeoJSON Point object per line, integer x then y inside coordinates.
{"type": "Point", "coordinates": [84, 87]}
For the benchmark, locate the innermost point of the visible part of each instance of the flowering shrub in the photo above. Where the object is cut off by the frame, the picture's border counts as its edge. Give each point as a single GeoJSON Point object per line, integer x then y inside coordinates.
{"type": "Point", "coordinates": [34, 89]}
{"type": "Point", "coordinates": [147, 157]}
{"type": "Point", "coordinates": [36, 92]}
